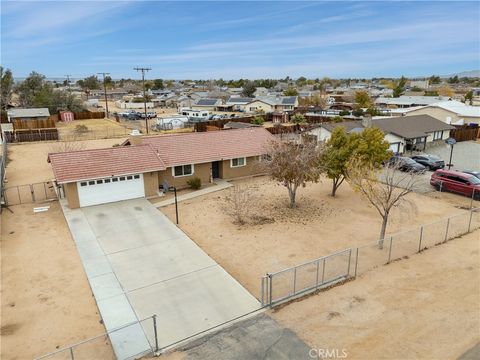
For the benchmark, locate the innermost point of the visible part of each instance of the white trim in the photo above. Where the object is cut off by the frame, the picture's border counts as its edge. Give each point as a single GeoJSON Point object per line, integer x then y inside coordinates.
{"type": "Point", "coordinates": [178, 176]}
{"type": "Point", "coordinates": [244, 162]}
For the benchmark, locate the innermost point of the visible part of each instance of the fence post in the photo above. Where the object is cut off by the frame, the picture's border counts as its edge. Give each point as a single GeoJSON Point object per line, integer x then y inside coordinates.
{"type": "Point", "coordinates": [32, 192]}
{"type": "Point", "coordinates": [155, 331]}
{"type": "Point", "coordinates": [323, 270]}
{"type": "Point", "coordinates": [294, 279]}
{"type": "Point", "coordinates": [470, 220]}
{"type": "Point", "coordinates": [318, 265]}
{"type": "Point", "coordinates": [270, 289]}
{"type": "Point", "coordinates": [446, 230]}
{"type": "Point", "coordinates": [356, 263]}
{"type": "Point", "coordinates": [262, 290]}
{"type": "Point", "coordinates": [390, 250]}
{"type": "Point", "coordinates": [441, 184]}
{"type": "Point", "coordinates": [71, 354]}
{"type": "Point", "coordinates": [349, 259]}
{"type": "Point", "coordinates": [471, 200]}
{"type": "Point", "coordinates": [420, 240]}
{"type": "Point", "coordinates": [45, 188]}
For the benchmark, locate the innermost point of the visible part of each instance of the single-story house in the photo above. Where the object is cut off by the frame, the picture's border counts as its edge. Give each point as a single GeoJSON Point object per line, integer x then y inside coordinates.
{"type": "Point", "coordinates": [238, 103]}
{"type": "Point", "coordinates": [451, 112]}
{"type": "Point", "coordinates": [280, 103]}
{"type": "Point", "coordinates": [207, 104]}
{"type": "Point", "coordinates": [405, 101]}
{"type": "Point", "coordinates": [144, 163]}
{"type": "Point", "coordinates": [403, 133]}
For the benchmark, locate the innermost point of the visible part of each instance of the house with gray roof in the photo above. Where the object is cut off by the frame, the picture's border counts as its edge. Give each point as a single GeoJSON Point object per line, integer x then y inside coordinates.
{"type": "Point", "coordinates": [207, 104]}
{"type": "Point", "coordinates": [28, 114]}
{"type": "Point", "coordinates": [403, 133]}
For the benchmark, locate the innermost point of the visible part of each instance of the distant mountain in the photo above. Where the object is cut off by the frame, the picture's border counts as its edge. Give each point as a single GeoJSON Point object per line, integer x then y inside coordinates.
{"type": "Point", "coordinates": [469, 74]}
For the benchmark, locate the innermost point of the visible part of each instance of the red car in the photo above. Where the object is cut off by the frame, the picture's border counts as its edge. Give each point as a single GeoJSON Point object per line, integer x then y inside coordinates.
{"type": "Point", "coordinates": [457, 182]}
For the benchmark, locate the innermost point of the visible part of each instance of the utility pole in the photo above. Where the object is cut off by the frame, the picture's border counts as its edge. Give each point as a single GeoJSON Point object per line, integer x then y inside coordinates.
{"type": "Point", "coordinates": [105, 90]}
{"type": "Point", "coordinates": [144, 93]}
{"type": "Point", "coordinates": [68, 81]}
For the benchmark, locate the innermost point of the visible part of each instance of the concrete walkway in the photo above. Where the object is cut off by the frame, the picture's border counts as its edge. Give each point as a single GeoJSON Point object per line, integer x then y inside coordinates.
{"type": "Point", "coordinates": [219, 185]}
{"type": "Point", "coordinates": [139, 264]}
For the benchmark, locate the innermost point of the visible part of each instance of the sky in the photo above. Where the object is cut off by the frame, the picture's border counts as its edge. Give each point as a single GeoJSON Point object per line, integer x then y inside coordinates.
{"type": "Point", "coordinates": [240, 39]}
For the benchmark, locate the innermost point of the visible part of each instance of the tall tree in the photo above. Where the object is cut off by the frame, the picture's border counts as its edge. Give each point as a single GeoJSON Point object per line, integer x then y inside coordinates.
{"type": "Point", "coordinates": [6, 86]}
{"type": "Point", "coordinates": [434, 80]}
{"type": "Point", "coordinates": [292, 165]}
{"type": "Point", "coordinates": [249, 89]}
{"type": "Point", "coordinates": [469, 97]}
{"type": "Point", "coordinates": [384, 190]}
{"type": "Point", "coordinates": [290, 91]}
{"type": "Point", "coordinates": [158, 84]}
{"type": "Point", "coordinates": [362, 99]}
{"type": "Point", "coordinates": [399, 87]}
{"type": "Point", "coordinates": [29, 88]}
{"type": "Point", "coordinates": [91, 83]}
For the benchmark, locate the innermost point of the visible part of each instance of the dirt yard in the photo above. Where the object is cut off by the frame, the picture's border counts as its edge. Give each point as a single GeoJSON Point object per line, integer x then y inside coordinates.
{"type": "Point", "coordinates": [91, 129]}
{"type": "Point", "coordinates": [425, 307]}
{"type": "Point", "coordinates": [28, 161]}
{"type": "Point", "coordinates": [46, 300]}
{"type": "Point", "coordinates": [285, 237]}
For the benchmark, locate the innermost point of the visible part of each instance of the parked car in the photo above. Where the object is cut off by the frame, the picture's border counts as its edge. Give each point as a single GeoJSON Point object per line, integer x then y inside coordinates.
{"type": "Point", "coordinates": [133, 116]}
{"type": "Point", "coordinates": [406, 164]}
{"type": "Point", "coordinates": [150, 114]}
{"type": "Point", "coordinates": [472, 172]}
{"type": "Point", "coordinates": [456, 182]}
{"type": "Point", "coordinates": [431, 162]}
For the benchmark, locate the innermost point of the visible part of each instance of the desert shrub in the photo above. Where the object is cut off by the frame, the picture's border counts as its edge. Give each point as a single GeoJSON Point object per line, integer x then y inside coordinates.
{"type": "Point", "coordinates": [238, 204]}
{"type": "Point", "coordinates": [258, 120]}
{"type": "Point", "coordinates": [344, 113]}
{"type": "Point", "coordinates": [337, 119]}
{"type": "Point", "coordinates": [81, 129]}
{"type": "Point", "coordinates": [298, 119]}
{"type": "Point", "coordinates": [194, 183]}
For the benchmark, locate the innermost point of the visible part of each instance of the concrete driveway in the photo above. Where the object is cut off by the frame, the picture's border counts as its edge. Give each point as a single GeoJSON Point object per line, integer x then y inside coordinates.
{"type": "Point", "coordinates": [139, 264]}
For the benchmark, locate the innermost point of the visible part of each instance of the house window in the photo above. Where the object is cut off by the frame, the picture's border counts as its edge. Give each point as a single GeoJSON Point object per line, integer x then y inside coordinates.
{"type": "Point", "coordinates": [183, 170]}
{"type": "Point", "coordinates": [136, 176]}
{"type": "Point", "coordinates": [83, 184]}
{"type": "Point", "coordinates": [106, 181]}
{"type": "Point", "coordinates": [129, 178]}
{"type": "Point", "coordinates": [114, 179]}
{"type": "Point", "coordinates": [99, 181]}
{"type": "Point", "coordinates": [91, 183]}
{"type": "Point", "coordinates": [438, 135]}
{"type": "Point", "coordinates": [122, 178]}
{"type": "Point", "coordinates": [238, 162]}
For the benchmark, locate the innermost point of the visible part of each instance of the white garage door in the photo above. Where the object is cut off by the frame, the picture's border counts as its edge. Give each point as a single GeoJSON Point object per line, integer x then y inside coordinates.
{"type": "Point", "coordinates": [103, 191]}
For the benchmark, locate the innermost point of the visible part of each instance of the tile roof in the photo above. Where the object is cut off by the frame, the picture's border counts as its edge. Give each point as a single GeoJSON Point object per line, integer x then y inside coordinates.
{"type": "Point", "coordinates": [98, 163]}
{"type": "Point", "coordinates": [200, 147]}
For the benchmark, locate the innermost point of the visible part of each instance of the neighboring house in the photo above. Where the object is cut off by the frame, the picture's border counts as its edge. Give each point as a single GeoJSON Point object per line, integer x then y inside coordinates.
{"type": "Point", "coordinates": [409, 101]}
{"type": "Point", "coordinates": [237, 103]}
{"type": "Point", "coordinates": [258, 105]}
{"type": "Point", "coordinates": [403, 133]}
{"type": "Point", "coordinates": [133, 105]}
{"type": "Point", "coordinates": [280, 103]}
{"type": "Point", "coordinates": [261, 91]}
{"type": "Point", "coordinates": [453, 112]}
{"type": "Point", "coordinates": [143, 164]}
{"type": "Point", "coordinates": [207, 104]}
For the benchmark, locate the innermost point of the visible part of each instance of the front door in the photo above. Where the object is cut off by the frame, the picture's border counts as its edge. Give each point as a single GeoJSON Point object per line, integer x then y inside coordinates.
{"type": "Point", "coordinates": [216, 169]}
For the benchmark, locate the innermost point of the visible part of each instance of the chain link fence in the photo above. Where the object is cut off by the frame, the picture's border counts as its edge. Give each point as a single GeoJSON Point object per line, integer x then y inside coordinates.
{"type": "Point", "coordinates": [123, 342]}
{"type": "Point", "coordinates": [307, 277]}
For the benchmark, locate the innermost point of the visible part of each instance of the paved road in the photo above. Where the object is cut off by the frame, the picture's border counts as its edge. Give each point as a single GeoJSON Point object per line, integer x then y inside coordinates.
{"type": "Point", "coordinates": [257, 338]}
{"type": "Point", "coordinates": [139, 264]}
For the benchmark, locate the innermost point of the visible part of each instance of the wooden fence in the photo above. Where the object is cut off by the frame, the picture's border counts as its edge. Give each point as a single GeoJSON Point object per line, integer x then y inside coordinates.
{"type": "Point", "coordinates": [465, 133]}
{"type": "Point", "coordinates": [21, 124]}
{"type": "Point", "coordinates": [88, 115]}
{"type": "Point", "coordinates": [31, 135]}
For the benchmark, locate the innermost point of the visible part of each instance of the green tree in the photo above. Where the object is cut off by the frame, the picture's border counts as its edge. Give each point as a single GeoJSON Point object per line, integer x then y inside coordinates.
{"type": "Point", "coordinates": [258, 120]}
{"type": "Point", "coordinates": [453, 80]}
{"type": "Point", "coordinates": [290, 91]}
{"type": "Point", "coordinates": [109, 83]}
{"type": "Point", "coordinates": [362, 99]}
{"type": "Point", "coordinates": [6, 87]}
{"type": "Point", "coordinates": [29, 87]}
{"type": "Point", "coordinates": [249, 89]}
{"type": "Point", "coordinates": [369, 146]}
{"type": "Point", "coordinates": [91, 83]}
{"type": "Point", "coordinates": [158, 84]}
{"type": "Point", "coordinates": [469, 97]}
{"type": "Point", "coordinates": [434, 80]}
{"type": "Point", "coordinates": [399, 87]}
{"type": "Point", "coordinates": [298, 119]}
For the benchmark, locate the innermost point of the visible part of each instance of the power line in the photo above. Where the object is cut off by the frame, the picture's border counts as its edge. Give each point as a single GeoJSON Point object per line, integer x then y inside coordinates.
{"type": "Point", "coordinates": [143, 70]}
{"type": "Point", "coordinates": [105, 89]}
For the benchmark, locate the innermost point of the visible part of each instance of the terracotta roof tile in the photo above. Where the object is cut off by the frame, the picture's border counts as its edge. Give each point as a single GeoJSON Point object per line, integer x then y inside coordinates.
{"type": "Point", "coordinates": [200, 147]}
{"type": "Point", "coordinates": [97, 163]}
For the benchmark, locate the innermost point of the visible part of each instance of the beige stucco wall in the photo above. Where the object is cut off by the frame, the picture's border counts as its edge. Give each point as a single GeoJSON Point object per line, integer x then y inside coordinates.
{"type": "Point", "coordinates": [257, 106]}
{"type": "Point", "coordinates": [150, 182]}
{"type": "Point", "coordinates": [202, 171]}
{"type": "Point", "coordinates": [71, 194]}
{"type": "Point", "coordinates": [392, 139]}
{"type": "Point", "coordinates": [442, 114]}
{"type": "Point", "coordinates": [251, 168]}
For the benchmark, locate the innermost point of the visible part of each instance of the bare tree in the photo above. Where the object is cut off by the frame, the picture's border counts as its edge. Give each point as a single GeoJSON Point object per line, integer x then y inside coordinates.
{"type": "Point", "coordinates": [384, 189]}
{"type": "Point", "coordinates": [66, 146]}
{"type": "Point", "coordinates": [238, 203]}
{"type": "Point", "coordinates": [292, 165]}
